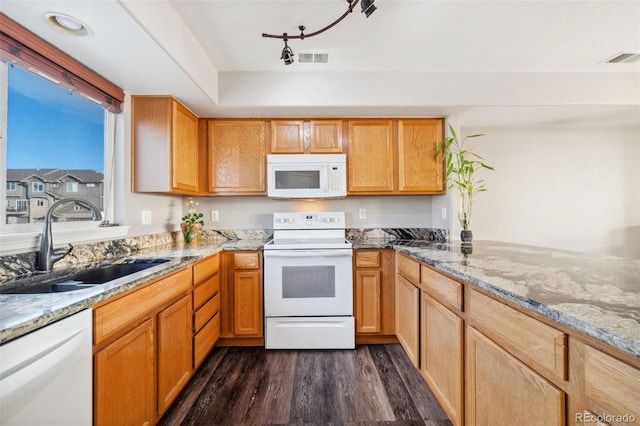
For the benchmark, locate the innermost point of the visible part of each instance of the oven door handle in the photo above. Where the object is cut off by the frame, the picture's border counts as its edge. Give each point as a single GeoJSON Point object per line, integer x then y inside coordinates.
{"type": "Point", "coordinates": [308, 253]}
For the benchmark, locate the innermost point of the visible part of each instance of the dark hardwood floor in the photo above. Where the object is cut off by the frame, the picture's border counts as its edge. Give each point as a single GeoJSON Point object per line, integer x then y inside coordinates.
{"type": "Point", "coordinates": [373, 384]}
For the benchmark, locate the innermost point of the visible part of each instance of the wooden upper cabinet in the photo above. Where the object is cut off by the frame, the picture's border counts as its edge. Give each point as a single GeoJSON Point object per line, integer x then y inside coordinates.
{"type": "Point", "coordinates": [287, 137]}
{"type": "Point", "coordinates": [237, 156]}
{"type": "Point", "coordinates": [418, 169]}
{"type": "Point", "coordinates": [325, 137]}
{"type": "Point", "coordinates": [370, 156]}
{"type": "Point", "coordinates": [306, 137]}
{"type": "Point", "coordinates": [164, 146]}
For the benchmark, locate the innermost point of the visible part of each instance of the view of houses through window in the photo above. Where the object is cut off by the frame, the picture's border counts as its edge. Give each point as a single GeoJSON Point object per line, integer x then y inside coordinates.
{"type": "Point", "coordinates": [55, 150]}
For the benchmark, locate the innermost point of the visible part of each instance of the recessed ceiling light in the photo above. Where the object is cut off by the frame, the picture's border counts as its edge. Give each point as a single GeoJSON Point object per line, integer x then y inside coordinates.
{"type": "Point", "coordinates": [67, 24]}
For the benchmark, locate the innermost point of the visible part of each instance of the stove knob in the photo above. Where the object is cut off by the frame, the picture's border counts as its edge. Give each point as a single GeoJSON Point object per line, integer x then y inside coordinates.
{"type": "Point", "coordinates": [326, 219]}
{"type": "Point", "coordinates": [336, 219]}
{"type": "Point", "coordinates": [290, 220]}
{"type": "Point", "coordinates": [282, 220]}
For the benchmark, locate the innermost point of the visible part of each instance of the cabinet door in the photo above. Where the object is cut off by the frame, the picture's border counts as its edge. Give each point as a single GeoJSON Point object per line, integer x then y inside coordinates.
{"type": "Point", "coordinates": [418, 170]}
{"type": "Point", "coordinates": [441, 355]}
{"type": "Point", "coordinates": [287, 137]}
{"type": "Point", "coordinates": [247, 303]}
{"type": "Point", "coordinates": [503, 391]}
{"type": "Point", "coordinates": [124, 388]}
{"type": "Point", "coordinates": [611, 387]}
{"type": "Point", "coordinates": [325, 136]}
{"type": "Point", "coordinates": [174, 351]}
{"type": "Point", "coordinates": [408, 317]}
{"type": "Point", "coordinates": [371, 156]}
{"type": "Point", "coordinates": [184, 151]}
{"type": "Point", "coordinates": [368, 293]}
{"type": "Point", "coordinates": [237, 156]}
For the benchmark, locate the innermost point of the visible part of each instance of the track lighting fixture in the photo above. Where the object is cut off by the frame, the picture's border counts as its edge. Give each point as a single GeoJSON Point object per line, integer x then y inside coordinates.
{"type": "Point", "coordinates": [287, 54]}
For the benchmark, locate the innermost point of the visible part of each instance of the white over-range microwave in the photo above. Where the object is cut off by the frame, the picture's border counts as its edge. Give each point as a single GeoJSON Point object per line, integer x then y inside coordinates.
{"type": "Point", "coordinates": [307, 175]}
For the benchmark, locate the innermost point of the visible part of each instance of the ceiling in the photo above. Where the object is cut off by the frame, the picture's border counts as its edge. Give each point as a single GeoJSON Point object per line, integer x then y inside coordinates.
{"type": "Point", "coordinates": [538, 63]}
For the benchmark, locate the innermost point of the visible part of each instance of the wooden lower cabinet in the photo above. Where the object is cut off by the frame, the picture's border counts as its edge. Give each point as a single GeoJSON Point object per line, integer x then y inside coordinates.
{"type": "Point", "coordinates": [124, 387]}
{"type": "Point", "coordinates": [206, 307]}
{"type": "Point", "coordinates": [174, 351]}
{"type": "Point", "coordinates": [605, 389]}
{"type": "Point", "coordinates": [501, 390]}
{"type": "Point", "coordinates": [408, 318]}
{"type": "Point", "coordinates": [442, 355]}
{"type": "Point", "coordinates": [143, 362]}
{"type": "Point", "coordinates": [374, 295]}
{"type": "Point", "coordinates": [242, 316]}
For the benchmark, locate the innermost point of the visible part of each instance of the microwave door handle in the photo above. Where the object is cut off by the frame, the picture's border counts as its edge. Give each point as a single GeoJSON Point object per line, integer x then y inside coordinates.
{"type": "Point", "coordinates": [308, 253]}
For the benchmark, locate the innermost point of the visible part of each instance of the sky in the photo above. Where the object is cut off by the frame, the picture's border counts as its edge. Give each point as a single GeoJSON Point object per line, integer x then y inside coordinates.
{"type": "Point", "coordinates": [50, 128]}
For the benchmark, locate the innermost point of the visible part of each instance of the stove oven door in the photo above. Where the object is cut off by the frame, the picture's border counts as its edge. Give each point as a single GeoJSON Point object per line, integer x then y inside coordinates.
{"type": "Point", "coordinates": [308, 283]}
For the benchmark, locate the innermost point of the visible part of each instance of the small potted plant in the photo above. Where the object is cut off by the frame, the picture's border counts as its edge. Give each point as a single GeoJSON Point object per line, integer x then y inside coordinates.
{"type": "Point", "coordinates": [461, 167]}
{"type": "Point", "coordinates": [192, 223]}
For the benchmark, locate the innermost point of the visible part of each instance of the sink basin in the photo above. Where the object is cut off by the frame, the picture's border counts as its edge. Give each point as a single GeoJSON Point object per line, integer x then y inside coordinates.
{"type": "Point", "coordinates": [84, 279]}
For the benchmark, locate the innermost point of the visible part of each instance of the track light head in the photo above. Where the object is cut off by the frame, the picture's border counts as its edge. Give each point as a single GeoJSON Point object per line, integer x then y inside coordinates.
{"type": "Point", "coordinates": [367, 7]}
{"type": "Point", "coordinates": [287, 53]}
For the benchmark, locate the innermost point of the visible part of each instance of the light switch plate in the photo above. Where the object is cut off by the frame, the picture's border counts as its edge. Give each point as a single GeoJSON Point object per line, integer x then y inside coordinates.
{"type": "Point", "coordinates": [146, 217]}
{"type": "Point", "coordinates": [362, 213]}
{"type": "Point", "coordinates": [215, 216]}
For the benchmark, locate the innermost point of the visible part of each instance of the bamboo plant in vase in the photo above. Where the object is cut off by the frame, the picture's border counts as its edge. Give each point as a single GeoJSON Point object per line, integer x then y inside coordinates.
{"type": "Point", "coordinates": [461, 167]}
{"type": "Point", "coordinates": [192, 223]}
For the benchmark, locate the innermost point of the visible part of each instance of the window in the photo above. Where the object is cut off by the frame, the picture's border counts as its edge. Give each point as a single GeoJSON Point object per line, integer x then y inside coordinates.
{"type": "Point", "coordinates": [11, 186]}
{"type": "Point", "coordinates": [72, 186]}
{"type": "Point", "coordinates": [31, 70]}
{"type": "Point", "coordinates": [51, 136]}
{"type": "Point", "coordinates": [77, 208]}
{"type": "Point", "coordinates": [91, 185]}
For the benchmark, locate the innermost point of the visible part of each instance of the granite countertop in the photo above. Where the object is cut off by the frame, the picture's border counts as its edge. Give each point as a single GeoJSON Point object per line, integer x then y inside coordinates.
{"type": "Point", "coordinates": [22, 313]}
{"type": "Point", "coordinates": [598, 296]}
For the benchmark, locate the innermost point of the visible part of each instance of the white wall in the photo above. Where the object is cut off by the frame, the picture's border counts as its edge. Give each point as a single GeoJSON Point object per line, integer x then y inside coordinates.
{"type": "Point", "coordinates": [569, 188]}
{"type": "Point", "coordinates": [381, 211]}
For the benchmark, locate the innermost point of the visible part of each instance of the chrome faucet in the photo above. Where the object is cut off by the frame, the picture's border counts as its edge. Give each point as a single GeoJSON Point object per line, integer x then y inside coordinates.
{"type": "Point", "coordinates": [47, 256]}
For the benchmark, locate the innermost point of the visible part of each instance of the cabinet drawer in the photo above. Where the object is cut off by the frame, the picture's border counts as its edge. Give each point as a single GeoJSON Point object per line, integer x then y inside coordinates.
{"type": "Point", "coordinates": [409, 268]}
{"type": "Point", "coordinates": [207, 312]}
{"type": "Point", "coordinates": [111, 317]}
{"type": "Point", "coordinates": [440, 287]}
{"type": "Point", "coordinates": [205, 340]}
{"type": "Point", "coordinates": [205, 268]}
{"type": "Point", "coordinates": [205, 291]}
{"type": "Point", "coordinates": [246, 260]}
{"type": "Point", "coordinates": [367, 259]}
{"type": "Point", "coordinates": [611, 385]}
{"type": "Point", "coordinates": [534, 342]}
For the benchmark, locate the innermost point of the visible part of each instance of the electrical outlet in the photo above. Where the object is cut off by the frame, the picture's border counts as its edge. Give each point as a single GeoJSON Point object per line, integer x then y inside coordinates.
{"type": "Point", "coordinates": [362, 213]}
{"type": "Point", "coordinates": [444, 213]}
{"type": "Point", "coordinates": [214, 216]}
{"type": "Point", "coordinates": [145, 217]}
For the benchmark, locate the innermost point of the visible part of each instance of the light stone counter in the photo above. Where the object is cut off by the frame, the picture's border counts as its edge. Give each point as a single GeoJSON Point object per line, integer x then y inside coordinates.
{"type": "Point", "coordinates": [22, 313]}
{"type": "Point", "coordinates": [598, 296]}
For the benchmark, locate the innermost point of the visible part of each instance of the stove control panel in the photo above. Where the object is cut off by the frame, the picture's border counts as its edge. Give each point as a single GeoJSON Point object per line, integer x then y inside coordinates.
{"type": "Point", "coordinates": [306, 220]}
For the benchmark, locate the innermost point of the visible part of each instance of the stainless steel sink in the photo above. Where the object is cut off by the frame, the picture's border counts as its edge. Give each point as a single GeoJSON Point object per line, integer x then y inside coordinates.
{"type": "Point", "coordinates": [83, 279]}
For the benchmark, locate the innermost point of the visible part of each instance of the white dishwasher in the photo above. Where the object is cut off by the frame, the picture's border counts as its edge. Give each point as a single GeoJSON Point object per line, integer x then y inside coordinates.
{"type": "Point", "coordinates": [46, 376]}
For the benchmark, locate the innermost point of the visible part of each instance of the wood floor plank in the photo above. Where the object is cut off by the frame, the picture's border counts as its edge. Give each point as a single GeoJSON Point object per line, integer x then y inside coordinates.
{"type": "Point", "coordinates": [404, 407]}
{"type": "Point", "coordinates": [428, 406]}
{"type": "Point", "coordinates": [371, 385]}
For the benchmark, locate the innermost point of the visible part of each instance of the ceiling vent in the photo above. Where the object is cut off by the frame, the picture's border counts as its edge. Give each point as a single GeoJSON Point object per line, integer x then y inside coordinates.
{"type": "Point", "coordinates": [316, 58]}
{"type": "Point", "coordinates": [624, 58]}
